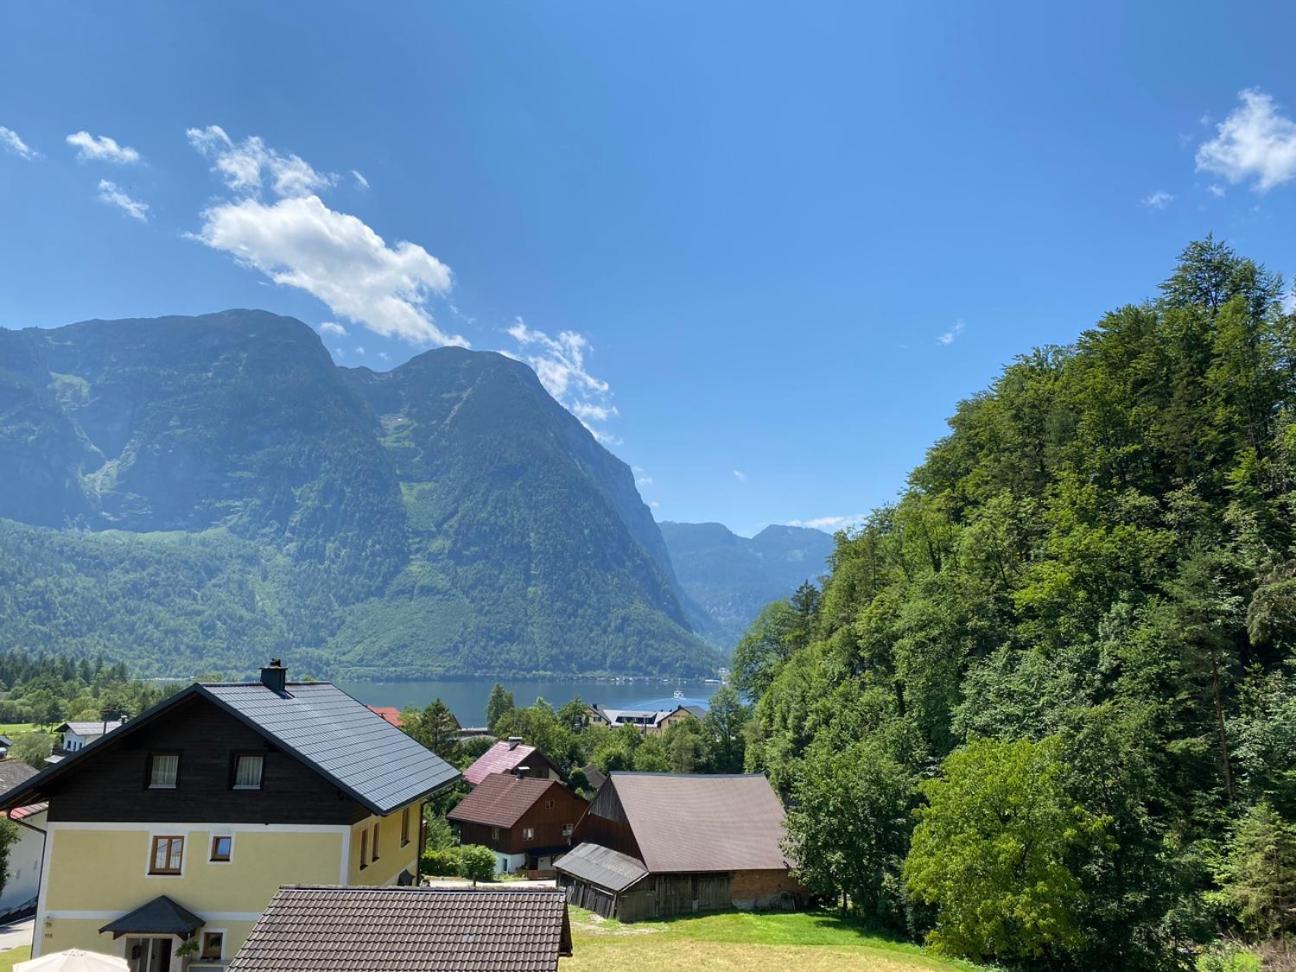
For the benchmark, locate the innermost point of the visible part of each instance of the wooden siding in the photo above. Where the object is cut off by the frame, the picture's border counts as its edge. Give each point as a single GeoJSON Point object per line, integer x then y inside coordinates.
{"type": "Point", "coordinates": [111, 785]}
{"type": "Point", "coordinates": [605, 823]}
{"type": "Point", "coordinates": [547, 822]}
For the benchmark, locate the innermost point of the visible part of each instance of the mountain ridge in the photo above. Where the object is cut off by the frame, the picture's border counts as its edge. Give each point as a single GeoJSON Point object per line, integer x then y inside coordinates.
{"type": "Point", "coordinates": [444, 517]}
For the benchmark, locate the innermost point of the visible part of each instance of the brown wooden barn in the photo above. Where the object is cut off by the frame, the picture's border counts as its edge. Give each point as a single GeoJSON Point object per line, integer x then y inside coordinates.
{"type": "Point", "coordinates": [526, 821]}
{"type": "Point", "coordinates": [652, 845]}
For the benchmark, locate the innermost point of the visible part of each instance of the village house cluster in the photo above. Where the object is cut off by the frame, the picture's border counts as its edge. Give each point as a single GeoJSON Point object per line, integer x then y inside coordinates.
{"type": "Point", "coordinates": [260, 826]}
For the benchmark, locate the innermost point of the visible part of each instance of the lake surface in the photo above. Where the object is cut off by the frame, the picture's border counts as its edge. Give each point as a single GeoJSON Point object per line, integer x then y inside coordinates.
{"type": "Point", "coordinates": [467, 697]}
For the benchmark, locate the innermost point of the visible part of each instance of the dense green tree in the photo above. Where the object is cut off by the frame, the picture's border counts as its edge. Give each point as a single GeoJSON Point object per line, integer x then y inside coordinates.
{"type": "Point", "coordinates": [994, 852]}
{"type": "Point", "coordinates": [435, 727]}
{"type": "Point", "coordinates": [849, 827]}
{"type": "Point", "coordinates": [499, 702]}
{"type": "Point", "coordinates": [33, 748]}
{"type": "Point", "coordinates": [1259, 872]}
{"type": "Point", "coordinates": [723, 727]}
{"type": "Point", "coordinates": [651, 755]}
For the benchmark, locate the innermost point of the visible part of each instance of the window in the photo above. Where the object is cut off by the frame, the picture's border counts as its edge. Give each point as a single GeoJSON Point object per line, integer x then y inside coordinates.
{"type": "Point", "coordinates": [567, 830]}
{"type": "Point", "coordinates": [494, 833]}
{"type": "Point", "coordinates": [222, 848]}
{"type": "Point", "coordinates": [247, 771]}
{"type": "Point", "coordinates": [213, 946]}
{"type": "Point", "coordinates": [528, 833]}
{"type": "Point", "coordinates": [168, 855]}
{"type": "Point", "coordinates": [549, 805]}
{"type": "Point", "coordinates": [364, 849]}
{"type": "Point", "coordinates": [164, 771]}
{"type": "Point", "coordinates": [375, 842]}
{"type": "Point", "coordinates": [405, 818]}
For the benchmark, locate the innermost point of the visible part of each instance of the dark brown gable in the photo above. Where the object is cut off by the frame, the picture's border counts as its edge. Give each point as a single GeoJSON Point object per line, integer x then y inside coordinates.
{"type": "Point", "coordinates": [111, 784]}
{"type": "Point", "coordinates": [605, 823]}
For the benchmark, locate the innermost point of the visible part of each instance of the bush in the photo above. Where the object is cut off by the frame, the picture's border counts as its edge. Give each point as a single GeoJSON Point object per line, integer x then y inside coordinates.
{"type": "Point", "coordinates": [1227, 957]}
{"type": "Point", "coordinates": [477, 862]}
{"type": "Point", "coordinates": [472, 861]}
{"type": "Point", "coordinates": [32, 748]}
{"type": "Point", "coordinates": [441, 862]}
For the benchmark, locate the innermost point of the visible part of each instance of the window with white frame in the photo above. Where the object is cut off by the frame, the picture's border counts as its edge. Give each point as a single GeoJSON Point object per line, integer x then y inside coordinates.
{"type": "Point", "coordinates": [167, 856]}
{"type": "Point", "coordinates": [213, 946]}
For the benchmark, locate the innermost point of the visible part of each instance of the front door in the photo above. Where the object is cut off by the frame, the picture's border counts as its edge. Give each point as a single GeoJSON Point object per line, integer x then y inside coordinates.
{"type": "Point", "coordinates": [149, 954]}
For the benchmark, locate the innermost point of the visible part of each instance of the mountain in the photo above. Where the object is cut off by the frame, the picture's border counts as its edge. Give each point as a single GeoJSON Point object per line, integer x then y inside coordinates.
{"type": "Point", "coordinates": [197, 493]}
{"type": "Point", "coordinates": [727, 579]}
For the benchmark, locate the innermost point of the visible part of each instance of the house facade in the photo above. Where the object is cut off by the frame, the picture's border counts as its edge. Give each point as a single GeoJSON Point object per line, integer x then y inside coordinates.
{"type": "Point", "coordinates": [25, 853]}
{"type": "Point", "coordinates": [175, 830]}
{"type": "Point", "coordinates": [654, 845]}
{"type": "Point", "coordinates": [647, 721]}
{"type": "Point", "coordinates": [527, 822]}
{"type": "Point", "coordinates": [75, 736]}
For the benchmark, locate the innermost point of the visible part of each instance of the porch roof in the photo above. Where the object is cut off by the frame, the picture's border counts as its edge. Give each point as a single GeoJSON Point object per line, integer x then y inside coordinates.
{"type": "Point", "coordinates": [161, 916]}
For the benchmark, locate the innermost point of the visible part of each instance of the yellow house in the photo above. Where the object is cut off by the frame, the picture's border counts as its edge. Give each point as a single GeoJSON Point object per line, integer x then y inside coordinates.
{"type": "Point", "coordinates": [166, 839]}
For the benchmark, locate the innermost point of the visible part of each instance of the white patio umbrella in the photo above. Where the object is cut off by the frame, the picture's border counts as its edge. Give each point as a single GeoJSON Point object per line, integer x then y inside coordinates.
{"type": "Point", "coordinates": [74, 960]}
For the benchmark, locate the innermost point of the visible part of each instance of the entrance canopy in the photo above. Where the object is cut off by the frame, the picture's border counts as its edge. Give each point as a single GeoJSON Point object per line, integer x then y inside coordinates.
{"type": "Point", "coordinates": [161, 916]}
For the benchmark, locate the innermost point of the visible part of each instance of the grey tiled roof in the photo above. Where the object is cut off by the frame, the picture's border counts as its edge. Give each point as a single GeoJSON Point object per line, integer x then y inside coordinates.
{"type": "Point", "coordinates": [13, 772]}
{"type": "Point", "coordinates": [341, 738]}
{"type": "Point", "coordinates": [602, 866]}
{"type": "Point", "coordinates": [408, 930]}
{"type": "Point", "coordinates": [98, 727]}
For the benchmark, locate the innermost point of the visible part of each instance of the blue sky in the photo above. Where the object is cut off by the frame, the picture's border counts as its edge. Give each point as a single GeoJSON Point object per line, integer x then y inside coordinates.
{"type": "Point", "coordinates": [762, 249]}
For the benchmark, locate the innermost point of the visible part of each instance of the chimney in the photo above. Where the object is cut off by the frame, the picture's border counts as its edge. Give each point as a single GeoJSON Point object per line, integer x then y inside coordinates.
{"type": "Point", "coordinates": [275, 677]}
{"type": "Point", "coordinates": [513, 742]}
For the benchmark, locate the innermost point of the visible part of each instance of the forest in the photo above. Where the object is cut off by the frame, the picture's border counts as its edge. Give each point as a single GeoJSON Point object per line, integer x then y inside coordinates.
{"type": "Point", "coordinates": [1041, 711]}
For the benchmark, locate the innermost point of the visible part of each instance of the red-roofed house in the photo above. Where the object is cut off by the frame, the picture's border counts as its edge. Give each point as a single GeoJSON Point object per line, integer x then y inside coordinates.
{"type": "Point", "coordinates": [509, 756]}
{"type": "Point", "coordinates": [526, 821]}
{"type": "Point", "coordinates": [390, 714]}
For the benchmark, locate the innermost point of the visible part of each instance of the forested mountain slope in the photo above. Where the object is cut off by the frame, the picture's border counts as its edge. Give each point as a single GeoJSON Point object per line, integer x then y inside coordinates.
{"type": "Point", "coordinates": [727, 579]}
{"type": "Point", "coordinates": [1069, 648]}
{"type": "Point", "coordinates": [190, 494]}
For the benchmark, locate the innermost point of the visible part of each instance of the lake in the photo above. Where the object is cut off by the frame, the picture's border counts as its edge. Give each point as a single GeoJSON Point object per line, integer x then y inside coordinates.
{"type": "Point", "coordinates": [467, 697]}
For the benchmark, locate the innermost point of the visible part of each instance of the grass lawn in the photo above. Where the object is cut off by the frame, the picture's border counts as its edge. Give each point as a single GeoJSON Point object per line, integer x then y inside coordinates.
{"type": "Point", "coordinates": [742, 942]}
{"type": "Point", "coordinates": [12, 957]}
{"type": "Point", "coordinates": [12, 729]}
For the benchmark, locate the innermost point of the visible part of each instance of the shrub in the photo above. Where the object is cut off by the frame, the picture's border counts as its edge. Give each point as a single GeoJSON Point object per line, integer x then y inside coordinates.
{"type": "Point", "coordinates": [477, 862]}
{"type": "Point", "coordinates": [443, 862]}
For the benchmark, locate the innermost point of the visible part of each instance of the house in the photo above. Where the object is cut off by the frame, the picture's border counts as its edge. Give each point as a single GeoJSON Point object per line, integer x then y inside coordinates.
{"type": "Point", "coordinates": [652, 845]}
{"type": "Point", "coordinates": [526, 821]}
{"type": "Point", "coordinates": [646, 720]}
{"type": "Point", "coordinates": [75, 736]}
{"type": "Point", "coordinates": [180, 825]}
{"type": "Point", "coordinates": [22, 879]}
{"type": "Point", "coordinates": [389, 713]}
{"type": "Point", "coordinates": [511, 756]}
{"type": "Point", "coordinates": [322, 929]}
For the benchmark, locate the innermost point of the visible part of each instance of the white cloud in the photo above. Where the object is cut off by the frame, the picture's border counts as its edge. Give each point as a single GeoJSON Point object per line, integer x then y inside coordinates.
{"type": "Point", "coordinates": [1289, 302]}
{"type": "Point", "coordinates": [384, 355]}
{"type": "Point", "coordinates": [111, 195]}
{"type": "Point", "coordinates": [831, 523]}
{"type": "Point", "coordinates": [641, 476]}
{"type": "Point", "coordinates": [359, 349]}
{"type": "Point", "coordinates": [101, 148]}
{"type": "Point", "coordinates": [950, 336]}
{"type": "Point", "coordinates": [559, 362]}
{"type": "Point", "coordinates": [739, 475]}
{"type": "Point", "coordinates": [1216, 190]}
{"type": "Point", "coordinates": [299, 242]}
{"type": "Point", "coordinates": [243, 165]}
{"type": "Point", "coordinates": [332, 327]}
{"type": "Point", "coordinates": [14, 143]}
{"type": "Point", "coordinates": [1157, 200]}
{"type": "Point", "coordinates": [359, 178]}
{"type": "Point", "coordinates": [1255, 142]}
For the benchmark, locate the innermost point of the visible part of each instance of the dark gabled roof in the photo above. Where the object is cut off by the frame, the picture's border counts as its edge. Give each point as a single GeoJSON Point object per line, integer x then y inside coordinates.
{"type": "Point", "coordinates": [12, 773]}
{"type": "Point", "coordinates": [701, 822]}
{"type": "Point", "coordinates": [594, 775]}
{"type": "Point", "coordinates": [501, 799]}
{"type": "Point", "coordinates": [602, 866]}
{"type": "Point", "coordinates": [161, 916]}
{"type": "Point", "coordinates": [373, 762]}
{"type": "Point", "coordinates": [408, 930]}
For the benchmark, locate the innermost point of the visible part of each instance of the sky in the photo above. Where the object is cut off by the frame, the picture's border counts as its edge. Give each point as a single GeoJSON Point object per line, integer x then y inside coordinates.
{"type": "Point", "coordinates": [761, 250]}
